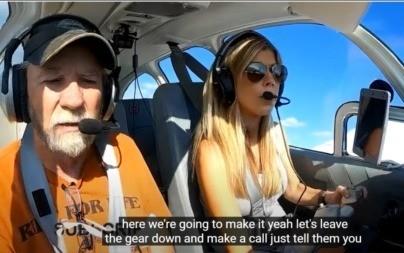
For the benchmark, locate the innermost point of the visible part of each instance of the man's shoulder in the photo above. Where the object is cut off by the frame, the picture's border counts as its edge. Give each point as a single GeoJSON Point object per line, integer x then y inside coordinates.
{"type": "Point", "coordinates": [127, 149]}
{"type": "Point", "coordinates": [10, 151]}
{"type": "Point", "coordinates": [123, 138]}
{"type": "Point", "coordinates": [8, 163]}
{"type": "Point", "coordinates": [125, 142]}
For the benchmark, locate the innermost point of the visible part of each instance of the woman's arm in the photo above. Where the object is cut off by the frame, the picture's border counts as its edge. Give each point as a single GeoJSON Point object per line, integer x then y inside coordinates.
{"type": "Point", "coordinates": [312, 196]}
{"type": "Point", "coordinates": [214, 185]}
{"type": "Point", "coordinates": [295, 188]}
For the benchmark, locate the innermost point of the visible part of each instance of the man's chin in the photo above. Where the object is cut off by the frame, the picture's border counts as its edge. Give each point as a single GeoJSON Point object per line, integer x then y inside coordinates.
{"type": "Point", "coordinates": [71, 144]}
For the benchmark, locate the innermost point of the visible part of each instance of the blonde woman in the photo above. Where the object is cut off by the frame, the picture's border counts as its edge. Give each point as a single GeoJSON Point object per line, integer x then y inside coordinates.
{"type": "Point", "coordinates": [237, 147]}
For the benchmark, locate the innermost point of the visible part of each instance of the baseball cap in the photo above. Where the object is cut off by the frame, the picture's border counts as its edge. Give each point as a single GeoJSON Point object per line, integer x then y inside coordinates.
{"type": "Point", "coordinates": [50, 35]}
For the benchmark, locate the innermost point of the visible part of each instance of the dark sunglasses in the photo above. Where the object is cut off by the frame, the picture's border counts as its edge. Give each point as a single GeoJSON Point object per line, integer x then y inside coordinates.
{"type": "Point", "coordinates": [256, 71]}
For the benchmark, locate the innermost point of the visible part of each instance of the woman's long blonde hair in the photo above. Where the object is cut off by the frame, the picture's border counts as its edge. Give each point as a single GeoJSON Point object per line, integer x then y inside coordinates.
{"type": "Point", "coordinates": [223, 125]}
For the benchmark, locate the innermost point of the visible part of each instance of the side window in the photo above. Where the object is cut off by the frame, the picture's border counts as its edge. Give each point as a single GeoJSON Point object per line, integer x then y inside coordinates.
{"type": "Point", "coordinates": [143, 87]}
{"type": "Point", "coordinates": [350, 135]}
{"type": "Point", "coordinates": [391, 149]}
{"type": "Point", "coordinates": [4, 12]}
{"type": "Point", "coordinates": [325, 70]}
{"type": "Point", "coordinates": [201, 54]}
{"type": "Point", "coordinates": [13, 130]}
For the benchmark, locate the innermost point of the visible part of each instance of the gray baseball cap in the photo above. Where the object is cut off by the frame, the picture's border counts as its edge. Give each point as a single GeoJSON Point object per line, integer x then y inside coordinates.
{"type": "Point", "coordinates": [50, 35]}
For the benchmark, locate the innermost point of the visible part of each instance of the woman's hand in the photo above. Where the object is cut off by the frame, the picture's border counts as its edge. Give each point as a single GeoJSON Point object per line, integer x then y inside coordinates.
{"type": "Point", "coordinates": [335, 197]}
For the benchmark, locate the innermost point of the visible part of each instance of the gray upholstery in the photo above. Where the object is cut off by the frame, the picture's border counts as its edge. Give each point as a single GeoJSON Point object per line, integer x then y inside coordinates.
{"type": "Point", "coordinates": [140, 127]}
{"type": "Point", "coordinates": [174, 119]}
{"type": "Point", "coordinates": [120, 116]}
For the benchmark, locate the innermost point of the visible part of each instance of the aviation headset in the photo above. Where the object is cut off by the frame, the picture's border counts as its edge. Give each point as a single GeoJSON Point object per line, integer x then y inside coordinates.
{"type": "Point", "coordinates": [14, 82]}
{"type": "Point", "coordinates": [221, 74]}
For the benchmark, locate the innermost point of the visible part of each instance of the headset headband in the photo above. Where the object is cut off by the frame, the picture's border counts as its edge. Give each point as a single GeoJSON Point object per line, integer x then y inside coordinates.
{"type": "Point", "coordinates": [232, 41]}
{"type": "Point", "coordinates": [46, 38]}
{"type": "Point", "coordinates": [222, 77]}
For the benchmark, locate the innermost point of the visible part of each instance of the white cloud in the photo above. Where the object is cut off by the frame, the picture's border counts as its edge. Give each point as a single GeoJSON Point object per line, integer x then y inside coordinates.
{"type": "Point", "coordinates": [322, 133]}
{"type": "Point", "coordinates": [392, 148]}
{"type": "Point", "coordinates": [327, 147]}
{"type": "Point", "coordinates": [148, 89]}
{"type": "Point", "coordinates": [393, 142]}
{"type": "Point", "coordinates": [350, 138]}
{"type": "Point", "coordinates": [292, 122]}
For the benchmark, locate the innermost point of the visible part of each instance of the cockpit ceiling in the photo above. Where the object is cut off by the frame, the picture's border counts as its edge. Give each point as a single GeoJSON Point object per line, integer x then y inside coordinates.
{"type": "Point", "coordinates": [144, 17]}
{"type": "Point", "coordinates": [140, 16]}
{"type": "Point", "coordinates": [189, 23]}
{"type": "Point", "coordinates": [165, 9]}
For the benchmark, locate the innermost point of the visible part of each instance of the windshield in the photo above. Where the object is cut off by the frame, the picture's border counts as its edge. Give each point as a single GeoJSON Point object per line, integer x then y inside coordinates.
{"type": "Point", "coordinates": [4, 13]}
{"type": "Point", "coordinates": [386, 21]}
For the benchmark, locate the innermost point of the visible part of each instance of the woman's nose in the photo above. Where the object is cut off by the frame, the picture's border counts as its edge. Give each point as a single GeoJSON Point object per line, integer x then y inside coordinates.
{"type": "Point", "coordinates": [269, 79]}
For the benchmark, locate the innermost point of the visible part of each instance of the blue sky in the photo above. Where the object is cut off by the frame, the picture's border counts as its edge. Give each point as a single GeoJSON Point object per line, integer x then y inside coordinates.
{"type": "Point", "coordinates": [3, 12]}
{"type": "Point", "coordinates": [325, 70]}
{"type": "Point", "coordinates": [343, 70]}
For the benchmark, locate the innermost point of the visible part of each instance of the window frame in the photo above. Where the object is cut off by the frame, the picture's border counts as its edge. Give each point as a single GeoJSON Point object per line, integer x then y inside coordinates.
{"type": "Point", "coordinates": [344, 113]}
{"type": "Point", "coordinates": [133, 81]}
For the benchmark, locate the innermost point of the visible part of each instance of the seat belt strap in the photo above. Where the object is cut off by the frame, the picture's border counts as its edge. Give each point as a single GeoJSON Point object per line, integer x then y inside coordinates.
{"type": "Point", "coordinates": [195, 66]}
{"type": "Point", "coordinates": [116, 202]}
{"type": "Point", "coordinates": [255, 195]}
{"type": "Point", "coordinates": [191, 91]}
{"type": "Point", "coordinates": [41, 201]}
{"type": "Point", "coordinates": [111, 165]}
{"type": "Point", "coordinates": [37, 190]}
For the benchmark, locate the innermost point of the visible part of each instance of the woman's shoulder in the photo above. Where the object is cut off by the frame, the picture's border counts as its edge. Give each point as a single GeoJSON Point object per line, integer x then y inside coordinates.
{"type": "Point", "coordinates": [208, 149]}
{"type": "Point", "coordinates": [208, 154]}
{"type": "Point", "coordinates": [208, 145]}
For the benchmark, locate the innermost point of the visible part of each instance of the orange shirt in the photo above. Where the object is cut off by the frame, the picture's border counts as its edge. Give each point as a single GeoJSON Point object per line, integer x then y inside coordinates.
{"type": "Point", "coordinates": [19, 231]}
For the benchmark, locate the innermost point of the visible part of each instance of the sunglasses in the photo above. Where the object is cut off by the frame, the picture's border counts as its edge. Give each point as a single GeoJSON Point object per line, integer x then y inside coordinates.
{"type": "Point", "coordinates": [256, 71]}
{"type": "Point", "coordinates": [73, 199]}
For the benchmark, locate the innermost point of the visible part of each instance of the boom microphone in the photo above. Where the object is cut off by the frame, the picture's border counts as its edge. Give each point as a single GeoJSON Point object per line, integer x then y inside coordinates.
{"type": "Point", "coordinates": [94, 126]}
{"type": "Point", "coordinates": [269, 95]}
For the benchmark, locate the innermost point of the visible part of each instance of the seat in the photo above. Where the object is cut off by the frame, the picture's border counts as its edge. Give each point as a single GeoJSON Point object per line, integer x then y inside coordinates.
{"type": "Point", "coordinates": [120, 116]}
{"type": "Point", "coordinates": [176, 110]}
{"type": "Point", "coordinates": [138, 121]}
{"type": "Point", "coordinates": [175, 119]}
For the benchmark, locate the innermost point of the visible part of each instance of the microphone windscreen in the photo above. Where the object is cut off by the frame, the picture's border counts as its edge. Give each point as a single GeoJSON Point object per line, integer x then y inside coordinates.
{"type": "Point", "coordinates": [90, 126]}
{"type": "Point", "coordinates": [268, 95]}
{"type": "Point", "coordinates": [382, 85]}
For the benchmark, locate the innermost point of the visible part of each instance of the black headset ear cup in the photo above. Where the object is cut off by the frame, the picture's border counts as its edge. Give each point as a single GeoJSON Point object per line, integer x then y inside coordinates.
{"type": "Point", "coordinates": [223, 77]}
{"type": "Point", "coordinates": [226, 85]}
{"type": "Point", "coordinates": [106, 94]}
{"type": "Point", "coordinates": [110, 96]}
{"type": "Point", "coordinates": [20, 96]}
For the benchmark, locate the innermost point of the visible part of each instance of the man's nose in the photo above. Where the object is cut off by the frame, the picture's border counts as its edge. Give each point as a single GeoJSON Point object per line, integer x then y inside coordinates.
{"type": "Point", "coordinates": [72, 96]}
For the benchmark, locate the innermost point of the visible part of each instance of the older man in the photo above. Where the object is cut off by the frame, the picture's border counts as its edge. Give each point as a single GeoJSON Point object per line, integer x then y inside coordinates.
{"type": "Point", "coordinates": [68, 66]}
